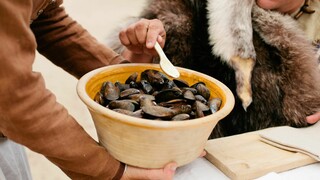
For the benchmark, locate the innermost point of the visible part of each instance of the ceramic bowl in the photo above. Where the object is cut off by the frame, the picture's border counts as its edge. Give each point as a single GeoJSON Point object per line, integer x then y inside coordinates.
{"type": "Point", "coordinates": [150, 143]}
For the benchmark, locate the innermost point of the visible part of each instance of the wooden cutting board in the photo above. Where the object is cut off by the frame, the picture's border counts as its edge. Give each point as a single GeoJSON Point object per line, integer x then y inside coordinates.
{"type": "Point", "coordinates": [244, 156]}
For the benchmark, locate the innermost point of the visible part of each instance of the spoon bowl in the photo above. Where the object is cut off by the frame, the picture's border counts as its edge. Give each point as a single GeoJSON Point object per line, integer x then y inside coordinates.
{"type": "Point", "coordinates": [165, 63]}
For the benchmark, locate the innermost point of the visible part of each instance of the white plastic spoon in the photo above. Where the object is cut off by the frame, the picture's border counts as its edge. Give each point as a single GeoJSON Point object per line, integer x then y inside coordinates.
{"type": "Point", "coordinates": [165, 63]}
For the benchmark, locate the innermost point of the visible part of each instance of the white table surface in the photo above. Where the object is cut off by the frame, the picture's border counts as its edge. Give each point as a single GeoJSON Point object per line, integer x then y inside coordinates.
{"type": "Point", "coordinates": [202, 169]}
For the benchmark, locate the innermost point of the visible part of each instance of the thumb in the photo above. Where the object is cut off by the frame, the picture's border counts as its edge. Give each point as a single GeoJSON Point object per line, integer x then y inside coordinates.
{"type": "Point", "coordinates": [313, 118]}
{"type": "Point", "coordinates": [170, 169]}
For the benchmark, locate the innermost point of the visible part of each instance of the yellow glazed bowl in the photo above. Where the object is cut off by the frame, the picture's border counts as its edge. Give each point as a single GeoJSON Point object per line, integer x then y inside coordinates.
{"type": "Point", "coordinates": [150, 143]}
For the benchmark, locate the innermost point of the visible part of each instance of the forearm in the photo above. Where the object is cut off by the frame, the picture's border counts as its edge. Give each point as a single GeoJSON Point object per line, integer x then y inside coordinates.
{"type": "Point", "coordinates": [30, 114]}
{"type": "Point", "coordinates": [68, 45]}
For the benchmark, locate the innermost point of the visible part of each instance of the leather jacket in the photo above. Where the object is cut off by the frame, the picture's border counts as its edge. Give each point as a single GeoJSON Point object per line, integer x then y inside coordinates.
{"type": "Point", "coordinates": [29, 113]}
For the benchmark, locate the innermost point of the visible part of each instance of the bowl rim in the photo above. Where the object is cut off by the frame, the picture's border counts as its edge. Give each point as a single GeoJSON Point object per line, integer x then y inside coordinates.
{"type": "Point", "coordinates": [94, 106]}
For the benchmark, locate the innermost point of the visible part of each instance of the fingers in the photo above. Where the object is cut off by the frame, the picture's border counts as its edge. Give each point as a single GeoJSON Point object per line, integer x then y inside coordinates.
{"type": "Point", "coordinates": [203, 153]}
{"type": "Point", "coordinates": [166, 173]}
{"type": "Point", "coordinates": [170, 169]}
{"type": "Point", "coordinates": [313, 118]}
{"type": "Point", "coordinates": [141, 36]}
{"type": "Point", "coordinates": [140, 31]}
{"type": "Point", "coordinates": [129, 39]}
{"type": "Point", "coordinates": [155, 33]}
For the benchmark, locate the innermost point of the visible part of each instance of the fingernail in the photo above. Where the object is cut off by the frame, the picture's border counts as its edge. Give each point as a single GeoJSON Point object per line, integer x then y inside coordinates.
{"type": "Point", "coordinates": [160, 39]}
{"type": "Point", "coordinates": [149, 44]}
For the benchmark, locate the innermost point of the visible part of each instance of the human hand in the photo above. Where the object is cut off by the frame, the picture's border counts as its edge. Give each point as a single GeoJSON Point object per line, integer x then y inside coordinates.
{"type": "Point", "coordinates": [313, 118]}
{"type": "Point", "coordinates": [166, 173]}
{"type": "Point", "coordinates": [139, 39]}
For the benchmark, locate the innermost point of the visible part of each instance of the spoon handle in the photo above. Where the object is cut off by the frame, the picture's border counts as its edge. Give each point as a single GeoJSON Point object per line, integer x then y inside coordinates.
{"type": "Point", "coordinates": [159, 50]}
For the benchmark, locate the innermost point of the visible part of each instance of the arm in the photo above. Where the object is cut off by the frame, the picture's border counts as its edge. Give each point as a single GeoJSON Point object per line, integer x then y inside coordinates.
{"type": "Point", "coordinates": [30, 114]}
{"type": "Point", "coordinates": [68, 45]}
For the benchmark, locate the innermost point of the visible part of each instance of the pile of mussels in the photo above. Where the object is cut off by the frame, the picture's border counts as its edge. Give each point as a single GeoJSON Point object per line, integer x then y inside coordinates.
{"type": "Point", "coordinates": [155, 96]}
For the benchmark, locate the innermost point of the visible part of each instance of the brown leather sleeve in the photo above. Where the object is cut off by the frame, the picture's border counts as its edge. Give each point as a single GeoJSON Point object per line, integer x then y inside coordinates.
{"type": "Point", "coordinates": [30, 114]}
{"type": "Point", "coordinates": [68, 45]}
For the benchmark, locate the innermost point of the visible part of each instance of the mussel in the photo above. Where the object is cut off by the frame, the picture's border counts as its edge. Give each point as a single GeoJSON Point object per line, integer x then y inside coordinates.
{"type": "Point", "coordinates": [155, 96]}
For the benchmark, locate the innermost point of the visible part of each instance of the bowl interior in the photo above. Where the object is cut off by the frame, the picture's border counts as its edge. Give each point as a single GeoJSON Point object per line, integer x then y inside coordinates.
{"type": "Point", "coordinates": [91, 83]}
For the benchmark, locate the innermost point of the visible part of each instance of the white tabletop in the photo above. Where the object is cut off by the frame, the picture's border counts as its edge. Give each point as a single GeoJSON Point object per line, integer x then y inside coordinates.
{"type": "Point", "coordinates": [202, 169]}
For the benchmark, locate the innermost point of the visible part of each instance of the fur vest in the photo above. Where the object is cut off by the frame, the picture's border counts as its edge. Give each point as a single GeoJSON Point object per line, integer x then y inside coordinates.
{"type": "Point", "coordinates": [284, 79]}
